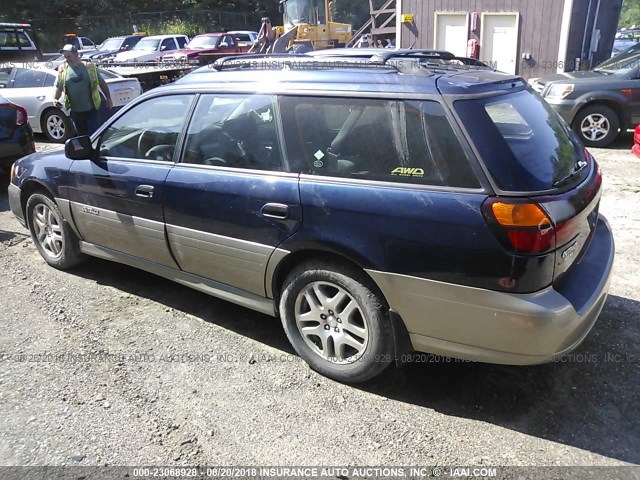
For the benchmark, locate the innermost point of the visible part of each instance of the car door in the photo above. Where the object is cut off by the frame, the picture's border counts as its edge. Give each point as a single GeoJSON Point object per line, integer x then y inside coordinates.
{"type": "Point", "coordinates": [30, 89]}
{"type": "Point", "coordinates": [116, 200]}
{"type": "Point", "coordinates": [230, 202]}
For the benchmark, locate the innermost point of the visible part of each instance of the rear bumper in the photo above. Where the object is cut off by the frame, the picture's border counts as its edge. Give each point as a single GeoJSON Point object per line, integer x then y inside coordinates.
{"type": "Point", "coordinates": [497, 327]}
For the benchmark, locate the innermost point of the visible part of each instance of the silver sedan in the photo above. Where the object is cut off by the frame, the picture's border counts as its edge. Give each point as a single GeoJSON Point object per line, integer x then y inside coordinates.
{"type": "Point", "coordinates": [33, 88]}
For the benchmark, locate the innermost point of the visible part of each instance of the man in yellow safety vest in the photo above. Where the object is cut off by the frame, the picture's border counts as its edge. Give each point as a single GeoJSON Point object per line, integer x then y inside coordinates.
{"type": "Point", "coordinates": [80, 82]}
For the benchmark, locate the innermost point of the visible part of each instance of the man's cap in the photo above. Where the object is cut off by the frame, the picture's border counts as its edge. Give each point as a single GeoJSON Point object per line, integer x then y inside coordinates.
{"type": "Point", "coordinates": [69, 48]}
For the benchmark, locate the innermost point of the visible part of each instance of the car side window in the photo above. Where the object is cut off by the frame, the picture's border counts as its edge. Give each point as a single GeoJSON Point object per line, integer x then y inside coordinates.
{"type": "Point", "coordinates": [168, 44]}
{"type": "Point", "coordinates": [182, 41]}
{"type": "Point", "coordinates": [148, 131]}
{"type": "Point", "coordinates": [237, 131]}
{"type": "Point", "coordinates": [50, 80]}
{"type": "Point", "coordinates": [25, 78]}
{"type": "Point", "coordinates": [384, 140]}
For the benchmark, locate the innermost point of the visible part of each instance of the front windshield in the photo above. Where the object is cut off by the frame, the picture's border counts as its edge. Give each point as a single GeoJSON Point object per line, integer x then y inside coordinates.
{"type": "Point", "coordinates": [199, 43]}
{"type": "Point", "coordinates": [297, 11]}
{"type": "Point", "coordinates": [622, 63]}
{"type": "Point", "coordinates": [147, 44]}
{"type": "Point", "coordinates": [111, 44]}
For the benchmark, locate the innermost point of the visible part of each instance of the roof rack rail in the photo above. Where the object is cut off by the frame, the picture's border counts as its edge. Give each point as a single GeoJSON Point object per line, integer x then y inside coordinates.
{"type": "Point", "coordinates": [297, 61]}
{"type": "Point", "coordinates": [422, 53]}
{"type": "Point", "coordinates": [255, 56]}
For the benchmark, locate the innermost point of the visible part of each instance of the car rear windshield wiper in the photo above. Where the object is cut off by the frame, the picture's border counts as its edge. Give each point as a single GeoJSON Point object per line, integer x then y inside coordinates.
{"type": "Point", "coordinates": [579, 166]}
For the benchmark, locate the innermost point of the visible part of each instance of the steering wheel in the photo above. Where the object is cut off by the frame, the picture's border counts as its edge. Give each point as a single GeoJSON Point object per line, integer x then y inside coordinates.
{"type": "Point", "coordinates": [149, 138]}
{"type": "Point", "coordinates": [215, 162]}
{"type": "Point", "coordinates": [160, 152]}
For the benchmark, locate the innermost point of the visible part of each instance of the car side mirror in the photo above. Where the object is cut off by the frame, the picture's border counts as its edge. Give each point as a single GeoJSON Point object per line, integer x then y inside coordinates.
{"type": "Point", "coordinates": [79, 148]}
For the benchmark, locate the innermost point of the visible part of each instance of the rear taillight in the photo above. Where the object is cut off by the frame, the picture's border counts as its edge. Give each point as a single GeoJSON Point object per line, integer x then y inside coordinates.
{"type": "Point", "coordinates": [21, 116]}
{"type": "Point", "coordinates": [522, 226]}
{"type": "Point", "coordinates": [21, 113]}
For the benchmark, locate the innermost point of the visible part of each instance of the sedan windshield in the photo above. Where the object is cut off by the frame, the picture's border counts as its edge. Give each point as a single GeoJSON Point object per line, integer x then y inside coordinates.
{"type": "Point", "coordinates": [147, 44]}
{"type": "Point", "coordinates": [111, 44]}
{"type": "Point", "coordinates": [200, 43]}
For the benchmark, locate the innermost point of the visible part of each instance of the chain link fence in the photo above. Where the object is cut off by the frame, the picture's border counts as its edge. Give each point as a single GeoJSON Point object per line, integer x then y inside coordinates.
{"type": "Point", "coordinates": [191, 22]}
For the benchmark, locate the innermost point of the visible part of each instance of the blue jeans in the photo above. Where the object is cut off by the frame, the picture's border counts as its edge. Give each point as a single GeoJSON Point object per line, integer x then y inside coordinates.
{"type": "Point", "coordinates": [85, 122]}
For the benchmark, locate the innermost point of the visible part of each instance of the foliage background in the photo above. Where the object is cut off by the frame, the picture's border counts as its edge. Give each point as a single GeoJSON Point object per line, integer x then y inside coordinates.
{"type": "Point", "coordinates": [99, 19]}
{"type": "Point", "coordinates": [630, 14]}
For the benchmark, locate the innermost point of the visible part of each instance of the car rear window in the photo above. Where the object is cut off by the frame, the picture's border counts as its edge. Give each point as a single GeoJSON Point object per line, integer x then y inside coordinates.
{"type": "Point", "coordinates": [524, 144]}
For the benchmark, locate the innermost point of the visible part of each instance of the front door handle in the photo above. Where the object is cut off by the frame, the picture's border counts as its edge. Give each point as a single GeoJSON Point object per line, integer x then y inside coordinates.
{"type": "Point", "coordinates": [144, 191]}
{"type": "Point", "coordinates": [275, 210]}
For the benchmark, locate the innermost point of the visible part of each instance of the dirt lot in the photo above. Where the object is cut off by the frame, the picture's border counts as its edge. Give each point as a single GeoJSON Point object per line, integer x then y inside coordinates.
{"type": "Point", "coordinates": [108, 365]}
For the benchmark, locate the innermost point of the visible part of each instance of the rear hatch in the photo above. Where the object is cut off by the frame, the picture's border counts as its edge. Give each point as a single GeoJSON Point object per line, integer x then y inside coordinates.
{"type": "Point", "coordinates": [547, 186]}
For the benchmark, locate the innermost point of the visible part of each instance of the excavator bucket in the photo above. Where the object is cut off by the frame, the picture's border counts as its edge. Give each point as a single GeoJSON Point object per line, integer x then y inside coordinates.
{"type": "Point", "coordinates": [281, 43]}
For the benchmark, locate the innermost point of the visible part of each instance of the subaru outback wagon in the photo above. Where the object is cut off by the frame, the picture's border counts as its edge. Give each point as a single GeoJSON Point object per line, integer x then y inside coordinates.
{"type": "Point", "coordinates": [375, 209]}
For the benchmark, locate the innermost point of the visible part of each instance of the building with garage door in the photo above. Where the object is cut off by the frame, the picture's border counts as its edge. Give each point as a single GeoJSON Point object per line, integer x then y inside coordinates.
{"type": "Point", "coordinates": [532, 38]}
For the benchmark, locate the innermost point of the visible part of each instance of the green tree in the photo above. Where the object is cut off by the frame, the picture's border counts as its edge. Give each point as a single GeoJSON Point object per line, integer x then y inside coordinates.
{"type": "Point", "coordinates": [355, 12]}
{"type": "Point", "coordinates": [630, 14]}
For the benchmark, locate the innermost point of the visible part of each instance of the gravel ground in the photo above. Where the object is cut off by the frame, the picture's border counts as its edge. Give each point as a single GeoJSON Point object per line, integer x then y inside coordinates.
{"type": "Point", "coordinates": [109, 365]}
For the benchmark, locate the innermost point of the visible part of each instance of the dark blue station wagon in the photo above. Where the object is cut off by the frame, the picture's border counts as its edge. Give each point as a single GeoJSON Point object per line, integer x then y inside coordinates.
{"type": "Point", "coordinates": [374, 209]}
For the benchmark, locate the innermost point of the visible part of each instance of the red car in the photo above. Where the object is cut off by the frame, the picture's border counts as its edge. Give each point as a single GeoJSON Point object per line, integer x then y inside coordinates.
{"type": "Point", "coordinates": [636, 142]}
{"type": "Point", "coordinates": [220, 42]}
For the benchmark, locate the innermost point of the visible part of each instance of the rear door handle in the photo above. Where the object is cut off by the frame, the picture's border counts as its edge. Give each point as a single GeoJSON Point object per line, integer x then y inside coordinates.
{"type": "Point", "coordinates": [275, 210]}
{"type": "Point", "coordinates": [144, 191]}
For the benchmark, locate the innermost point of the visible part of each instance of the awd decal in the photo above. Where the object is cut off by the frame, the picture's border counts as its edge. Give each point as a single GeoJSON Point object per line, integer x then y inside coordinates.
{"type": "Point", "coordinates": [408, 172]}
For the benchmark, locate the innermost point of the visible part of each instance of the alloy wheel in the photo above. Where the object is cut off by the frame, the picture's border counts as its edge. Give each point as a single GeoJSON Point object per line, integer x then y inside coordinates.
{"type": "Point", "coordinates": [331, 322]}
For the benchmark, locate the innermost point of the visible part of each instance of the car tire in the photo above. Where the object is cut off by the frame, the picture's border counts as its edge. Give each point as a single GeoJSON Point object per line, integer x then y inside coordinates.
{"type": "Point", "coordinates": [316, 298]}
{"type": "Point", "coordinates": [597, 125]}
{"type": "Point", "coordinates": [51, 234]}
{"type": "Point", "coordinates": [56, 126]}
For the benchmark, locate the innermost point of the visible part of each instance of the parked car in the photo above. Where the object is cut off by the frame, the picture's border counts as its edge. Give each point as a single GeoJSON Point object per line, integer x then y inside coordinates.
{"type": "Point", "coordinates": [113, 45]}
{"type": "Point", "coordinates": [599, 103]}
{"type": "Point", "coordinates": [18, 44]}
{"type": "Point", "coordinates": [34, 89]}
{"type": "Point", "coordinates": [244, 38]}
{"type": "Point", "coordinates": [205, 43]}
{"type": "Point", "coordinates": [83, 44]}
{"type": "Point", "coordinates": [624, 40]}
{"type": "Point", "coordinates": [152, 48]}
{"type": "Point", "coordinates": [16, 136]}
{"type": "Point", "coordinates": [411, 211]}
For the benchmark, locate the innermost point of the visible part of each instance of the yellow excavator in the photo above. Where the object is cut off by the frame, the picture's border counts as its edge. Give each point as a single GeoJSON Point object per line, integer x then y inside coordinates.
{"type": "Point", "coordinates": [307, 25]}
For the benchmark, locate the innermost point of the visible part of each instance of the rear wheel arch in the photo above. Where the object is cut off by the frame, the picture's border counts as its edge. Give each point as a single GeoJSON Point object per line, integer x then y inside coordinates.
{"type": "Point", "coordinates": [292, 260]}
